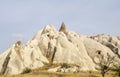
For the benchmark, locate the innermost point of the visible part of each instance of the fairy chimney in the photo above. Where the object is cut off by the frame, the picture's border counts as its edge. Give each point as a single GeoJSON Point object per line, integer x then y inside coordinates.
{"type": "Point", "coordinates": [63, 28]}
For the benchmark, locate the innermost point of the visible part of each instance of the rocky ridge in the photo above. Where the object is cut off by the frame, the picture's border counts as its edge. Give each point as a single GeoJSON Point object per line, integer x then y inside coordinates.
{"type": "Point", "coordinates": [63, 46]}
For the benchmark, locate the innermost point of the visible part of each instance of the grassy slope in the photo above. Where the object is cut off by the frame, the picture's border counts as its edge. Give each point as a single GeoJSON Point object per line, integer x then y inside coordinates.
{"type": "Point", "coordinates": [58, 74]}
{"type": "Point", "coordinates": [42, 72]}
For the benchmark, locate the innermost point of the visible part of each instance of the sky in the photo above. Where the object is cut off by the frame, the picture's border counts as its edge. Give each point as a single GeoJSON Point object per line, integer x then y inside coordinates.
{"type": "Point", "coordinates": [22, 19]}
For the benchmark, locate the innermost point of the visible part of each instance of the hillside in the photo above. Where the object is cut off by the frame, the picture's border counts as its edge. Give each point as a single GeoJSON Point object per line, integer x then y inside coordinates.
{"type": "Point", "coordinates": [50, 46]}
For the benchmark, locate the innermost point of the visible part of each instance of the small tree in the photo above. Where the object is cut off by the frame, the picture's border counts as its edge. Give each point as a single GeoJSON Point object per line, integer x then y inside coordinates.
{"type": "Point", "coordinates": [105, 63]}
{"type": "Point", "coordinates": [117, 70]}
{"type": "Point", "coordinates": [116, 67]}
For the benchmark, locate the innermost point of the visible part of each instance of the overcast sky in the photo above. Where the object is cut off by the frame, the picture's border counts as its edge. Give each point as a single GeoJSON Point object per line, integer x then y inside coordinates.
{"type": "Point", "coordinates": [23, 18]}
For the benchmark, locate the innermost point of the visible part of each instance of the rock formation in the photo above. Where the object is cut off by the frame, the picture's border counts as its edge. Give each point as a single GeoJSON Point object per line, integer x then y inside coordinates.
{"type": "Point", "coordinates": [5, 63]}
{"type": "Point", "coordinates": [109, 41]}
{"type": "Point", "coordinates": [50, 45]}
{"type": "Point", "coordinates": [63, 28]}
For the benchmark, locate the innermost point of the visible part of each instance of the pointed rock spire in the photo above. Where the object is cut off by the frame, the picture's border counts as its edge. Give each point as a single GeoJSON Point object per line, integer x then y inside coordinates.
{"type": "Point", "coordinates": [63, 28]}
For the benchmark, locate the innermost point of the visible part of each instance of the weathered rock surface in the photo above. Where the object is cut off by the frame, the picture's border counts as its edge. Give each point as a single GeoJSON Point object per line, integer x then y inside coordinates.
{"type": "Point", "coordinates": [112, 42]}
{"type": "Point", "coordinates": [63, 28]}
{"type": "Point", "coordinates": [50, 45]}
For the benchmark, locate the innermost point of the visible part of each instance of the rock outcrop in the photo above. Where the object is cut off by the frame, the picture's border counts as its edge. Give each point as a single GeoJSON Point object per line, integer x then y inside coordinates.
{"type": "Point", "coordinates": [5, 63]}
{"type": "Point", "coordinates": [50, 45]}
{"type": "Point", "coordinates": [112, 42]}
{"type": "Point", "coordinates": [63, 28]}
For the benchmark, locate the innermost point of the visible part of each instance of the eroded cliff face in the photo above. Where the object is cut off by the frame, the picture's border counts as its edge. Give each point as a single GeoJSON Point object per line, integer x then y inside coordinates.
{"type": "Point", "coordinates": [50, 45]}
{"type": "Point", "coordinates": [112, 42]}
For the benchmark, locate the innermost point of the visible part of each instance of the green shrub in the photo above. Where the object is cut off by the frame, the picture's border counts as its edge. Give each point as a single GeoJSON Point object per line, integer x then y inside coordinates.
{"type": "Point", "coordinates": [65, 65]}
{"type": "Point", "coordinates": [116, 68]}
{"type": "Point", "coordinates": [26, 70]}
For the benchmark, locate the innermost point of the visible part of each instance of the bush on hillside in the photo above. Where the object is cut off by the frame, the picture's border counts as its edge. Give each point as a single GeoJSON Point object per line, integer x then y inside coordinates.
{"type": "Point", "coordinates": [65, 65]}
{"type": "Point", "coordinates": [26, 70]}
